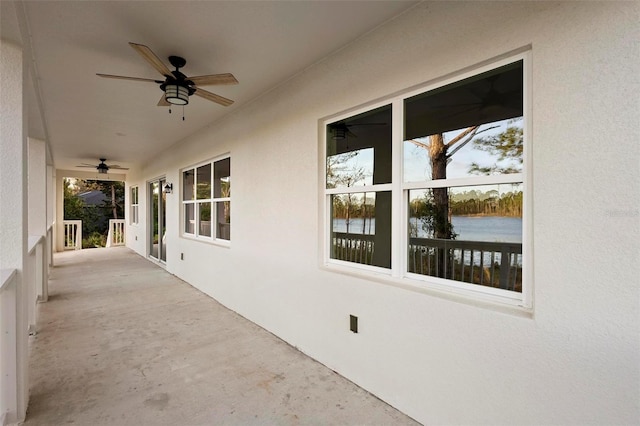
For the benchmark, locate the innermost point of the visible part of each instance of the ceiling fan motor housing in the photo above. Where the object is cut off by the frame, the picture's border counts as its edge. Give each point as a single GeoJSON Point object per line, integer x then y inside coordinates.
{"type": "Point", "coordinates": [102, 168]}
{"type": "Point", "coordinates": [176, 87]}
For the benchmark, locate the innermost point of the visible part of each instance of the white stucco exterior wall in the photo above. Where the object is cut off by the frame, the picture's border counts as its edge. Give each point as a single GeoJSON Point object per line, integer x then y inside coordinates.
{"type": "Point", "coordinates": [442, 360]}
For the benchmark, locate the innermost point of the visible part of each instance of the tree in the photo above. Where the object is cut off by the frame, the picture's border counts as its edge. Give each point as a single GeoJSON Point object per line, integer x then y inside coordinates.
{"type": "Point", "coordinates": [73, 205]}
{"type": "Point", "coordinates": [440, 151]}
{"type": "Point", "coordinates": [76, 209]}
{"type": "Point", "coordinates": [506, 145]}
{"type": "Point", "coordinates": [114, 191]}
{"type": "Point", "coordinates": [341, 171]}
{"type": "Point", "coordinates": [435, 211]}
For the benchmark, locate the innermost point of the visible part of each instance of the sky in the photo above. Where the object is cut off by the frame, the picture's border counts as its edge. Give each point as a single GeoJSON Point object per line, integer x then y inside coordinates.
{"type": "Point", "coordinates": [416, 160]}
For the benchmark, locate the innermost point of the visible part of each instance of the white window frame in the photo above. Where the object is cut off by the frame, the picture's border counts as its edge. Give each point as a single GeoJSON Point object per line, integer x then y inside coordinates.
{"type": "Point", "coordinates": [135, 206]}
{"type": "Point", "coordinates": [198, 202]}
{"type": "Point", "coordinates": [397, 274]}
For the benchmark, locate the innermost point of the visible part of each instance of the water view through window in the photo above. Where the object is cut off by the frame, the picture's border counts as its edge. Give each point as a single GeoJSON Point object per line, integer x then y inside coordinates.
{"type": "Point", "coordinates": [460, 167]}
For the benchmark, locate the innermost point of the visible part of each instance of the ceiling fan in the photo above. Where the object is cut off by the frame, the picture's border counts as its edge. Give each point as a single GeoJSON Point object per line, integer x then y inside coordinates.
{"type": "Point", "coordinates": [176, 86]}
{"type": "Point", "coordinates": [103, 168]}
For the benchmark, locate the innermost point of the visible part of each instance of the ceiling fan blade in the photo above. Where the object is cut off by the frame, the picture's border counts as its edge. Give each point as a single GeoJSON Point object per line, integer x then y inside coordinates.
{"type": "Point", "coordinates": [93, 166]}
{"type": "Point", "coordinates": [163, 102]}
{"type": "Point", "coordinates": [121, 77]}
{"type": "Point", "coordinates": [151, 58]}
{"type": "Point", "coordinates": [118, 167]}
{"type": "Point", "coordinates": [213, 97]}
{"type": "Point", "coordinates": [214, 79]}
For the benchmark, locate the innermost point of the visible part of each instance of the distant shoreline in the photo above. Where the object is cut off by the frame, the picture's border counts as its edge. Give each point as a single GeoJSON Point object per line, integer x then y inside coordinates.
{"type": "Point", "coordinates": [484, 215]}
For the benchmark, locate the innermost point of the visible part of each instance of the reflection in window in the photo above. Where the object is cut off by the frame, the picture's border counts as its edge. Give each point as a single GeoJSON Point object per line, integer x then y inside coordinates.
{"type": "Point", "coordinates": [494, 148]}
{"type": "Point", "coordinates": [205, 219]}
{"type": "Point", "coordinates": [472, 127]}
{"type": "Point", "coordinates": [222, 178]}
{"type": "Point", "coordinates": [354, 168]}
{"type": "Point", "coordinates": [484, 242]}
{"type": "Point", "coordinates": [355, 237]}
{"type": "Point", "coordinates": [359, 150]}
{"type": "Point", "coordinates": [477, 213]}
{"type": "Point", "coordinates": [207, 202]}
{"type": "Point", "coordinates": [469, 129]}
{"type": "Point", "coordinates": [461, 190]}
{"type": "Point", "coordinates": [224, 220]}
{"type": "Point", "coordinates": [188, 188]}
{"type": "Point", "coordinates": [203, 184]}
{"type": "Point", "coordinates": [189, 219]}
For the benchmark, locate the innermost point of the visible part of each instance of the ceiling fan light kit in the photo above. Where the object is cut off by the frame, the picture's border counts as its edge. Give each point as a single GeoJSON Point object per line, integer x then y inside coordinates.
{"type": "Point", "coordinates": [176, 94]}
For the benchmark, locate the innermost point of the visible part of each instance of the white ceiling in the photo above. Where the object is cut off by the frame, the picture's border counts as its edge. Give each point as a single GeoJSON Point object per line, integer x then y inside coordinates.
{"type": "Point", "coordinates": [262, 43]}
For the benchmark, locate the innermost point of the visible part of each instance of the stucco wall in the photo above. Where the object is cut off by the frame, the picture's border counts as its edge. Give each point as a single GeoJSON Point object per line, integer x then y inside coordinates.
{"type": "Point", "coordinates": [576, 359]}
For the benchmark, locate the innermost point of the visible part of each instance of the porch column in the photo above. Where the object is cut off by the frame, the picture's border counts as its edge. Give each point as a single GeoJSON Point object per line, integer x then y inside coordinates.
{"type": "Point", "coordinates": [59, 208]}
{"type": "Point", "coordinates": [51, 216]}
{"type": "Point", "coordinates": [14, 222]}
{"type": "Point", "coordinates": [37, 210]}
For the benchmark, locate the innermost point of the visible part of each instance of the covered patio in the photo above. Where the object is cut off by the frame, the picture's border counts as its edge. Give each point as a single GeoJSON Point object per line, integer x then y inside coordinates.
{"type": "Point", "coordinates": [122, 341]}
{"type": "Point", "coordinates": [438, 201]}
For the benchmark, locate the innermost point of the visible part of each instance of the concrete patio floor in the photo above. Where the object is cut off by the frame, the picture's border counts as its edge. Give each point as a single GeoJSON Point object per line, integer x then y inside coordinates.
{"type": "Point", "coordinates": [123, 342]}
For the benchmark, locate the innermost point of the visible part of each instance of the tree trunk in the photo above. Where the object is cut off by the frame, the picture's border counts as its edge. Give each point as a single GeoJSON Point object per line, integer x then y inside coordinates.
{"type": "Point", "coordinates": [442, 227]}
{"type": "Point", "coordinates": [113, 201]}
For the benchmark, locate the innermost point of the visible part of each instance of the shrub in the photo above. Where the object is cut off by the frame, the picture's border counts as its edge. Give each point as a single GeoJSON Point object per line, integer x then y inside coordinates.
{"type": "Point", "coordinates": [94, 240]}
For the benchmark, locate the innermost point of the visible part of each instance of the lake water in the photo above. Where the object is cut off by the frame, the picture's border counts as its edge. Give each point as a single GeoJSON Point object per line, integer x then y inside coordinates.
{"type": "Point", "coordinates": [468, 228]}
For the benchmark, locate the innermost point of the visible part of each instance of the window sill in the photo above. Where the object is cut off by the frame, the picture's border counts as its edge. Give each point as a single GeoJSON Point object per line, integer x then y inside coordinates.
{"type": "Point", "coordinates": [210, 241]}
{"type": "Point", "coordinates": [504, 304]}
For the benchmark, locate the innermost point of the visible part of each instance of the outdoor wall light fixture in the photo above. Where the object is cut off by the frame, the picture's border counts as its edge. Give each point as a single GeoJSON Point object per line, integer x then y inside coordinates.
{"type": "Point", "coordinates": [168, 188]}
{"type": "Point", "coordinates": [176, 94]}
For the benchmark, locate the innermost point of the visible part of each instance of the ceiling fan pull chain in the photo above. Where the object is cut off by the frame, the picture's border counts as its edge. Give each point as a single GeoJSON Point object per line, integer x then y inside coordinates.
{"type": "Point", "coordinates": [182, 112]}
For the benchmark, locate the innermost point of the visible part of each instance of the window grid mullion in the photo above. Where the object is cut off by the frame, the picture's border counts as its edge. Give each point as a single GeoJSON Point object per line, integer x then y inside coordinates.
{"type": "Point", "coordinates": [397, 209]}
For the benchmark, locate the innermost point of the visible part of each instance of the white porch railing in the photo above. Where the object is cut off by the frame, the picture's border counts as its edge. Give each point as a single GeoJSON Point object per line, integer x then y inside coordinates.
{"type": "Point", "coordinates": [477, 262]}
{"type": "Point", "coordinates": [72, 234]}
{"type": "Point", "coordinates": [8, 342]}
{"type": "Point", "coordinates": [116, 236]}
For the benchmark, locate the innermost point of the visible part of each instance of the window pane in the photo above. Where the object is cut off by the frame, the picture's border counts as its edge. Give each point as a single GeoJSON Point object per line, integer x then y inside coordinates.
{"type": "Point", "coordinates": [471, 127]}
{"type": "Point", "coordinates": [189, 219]}
{"type": "Point", "coordinates": [203, 190]}
{"type": "Point", "coordinates": [134, 195]}
{"type": "Point", "coordinates": [187, 185]}
{"type": "Point", "coordinates": [205, 219]}
{"type": "Point", "coordinates": [361, 228]}
{"type": "Point", "coordinates": [359, 150]}
{"type": "Point", "coordinates": [222, 178]}
{"type": "Point", "coordinates": [223, 214]}
{"type": "Point", "coordinates": [471, 234]}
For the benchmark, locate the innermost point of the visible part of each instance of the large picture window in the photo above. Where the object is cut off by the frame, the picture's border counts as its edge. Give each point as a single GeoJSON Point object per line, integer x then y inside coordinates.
{"type": "Point", "coordinates": [206, 200]}
{"type": "Point", "coordinates": [431, 186]}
